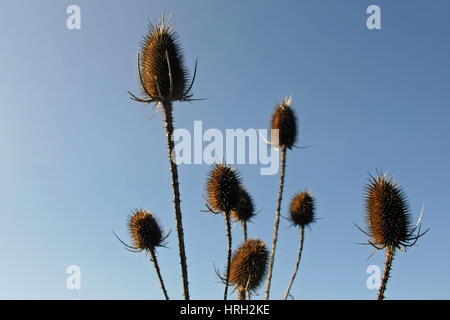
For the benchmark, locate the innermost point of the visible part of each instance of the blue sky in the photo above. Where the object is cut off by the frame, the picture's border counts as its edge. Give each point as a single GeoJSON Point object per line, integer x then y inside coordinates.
{"type": "Point", "coordinates": [77, 154]}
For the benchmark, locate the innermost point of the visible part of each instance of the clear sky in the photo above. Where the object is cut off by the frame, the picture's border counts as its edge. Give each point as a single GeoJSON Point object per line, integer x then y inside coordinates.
{"type": "Point", "coordinates": [77, 154]}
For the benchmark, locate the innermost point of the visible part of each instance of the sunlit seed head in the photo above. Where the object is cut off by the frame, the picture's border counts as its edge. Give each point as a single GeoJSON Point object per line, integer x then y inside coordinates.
{"type": "Point", "coordinates": [302, 209]}
{"type": "Point", "coordinates": [245, 210]}
{"type": "Point", "coordinates": [387, 212]}
{"type": "Point", "coordinates": [284, 124]}
{"type": "Point", "coordinates": [223, 188]}
{"type": "Point", "coordinates": [145, 230]}
{"type": "Point", "coordinates": [160, 45]}
{"type": "Point", "coordinates": [249, 264]}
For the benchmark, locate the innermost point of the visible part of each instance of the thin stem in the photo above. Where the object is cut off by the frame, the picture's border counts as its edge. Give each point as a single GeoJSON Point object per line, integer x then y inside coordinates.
{"type": "Point", "coordinates": [244, 226]}
{"type": "Point", "coordinates": [277, 221]}
{"type": "Point", "coordinates": [302, 234]}
{"type": "Point", "coordinates": [390, 252]}
{"type": "Point", "coordinates": [227, 281]}
{"type": "Point", "coordinates": [241, 294]}
{"type": "Point", "coordinates": [242, 290]}
{"type": "Point", "coordinates": [155, 262]}
{"type": "Point", "coordinates": [168, 119]}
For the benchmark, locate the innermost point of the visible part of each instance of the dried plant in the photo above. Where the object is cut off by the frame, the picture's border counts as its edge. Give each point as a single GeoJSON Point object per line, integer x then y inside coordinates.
{"type": "Point", "coordinates": [244, 211]}
{"type": "Point", "coordinates": [388, 219]}
{"type": "Point", "coordinates": [248, 266]}
{"type": "Point", "coordinates": [146, 235]}
{"type": "Point", "coordinates": [285, 121]}
{"type": "Point", "coordinates": [302, 214]}
{"type": "Point", "coordinates": [163, 79]}
{"type": "Point", "coordinates": [224, 191]}
{"type": "Point", "coordinates": [284, 129]}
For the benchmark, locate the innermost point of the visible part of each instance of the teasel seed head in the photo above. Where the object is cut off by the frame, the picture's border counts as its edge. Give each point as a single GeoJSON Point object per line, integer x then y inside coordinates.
{"type": "Point", "coordinates": [160, 53]}
{"type": "Point", "coordinates": [388, 215]}
{"type": "Point", "coordinates": [145, 230]}
{"type": "Point", "coordinates": [245, 209]}
{"type": "Point", "coordinates": [302, 209]}
{"type": "Point", "coordinates": [223, 188]}
{"type": "Point", "coordinates": [285, 121]}
{"type": "Point", "coordinates": [249, 264]}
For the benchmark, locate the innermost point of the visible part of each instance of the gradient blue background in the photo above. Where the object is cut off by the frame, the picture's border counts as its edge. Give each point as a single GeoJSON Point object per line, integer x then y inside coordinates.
{"type": "Point", "coordinates": [77, 154]}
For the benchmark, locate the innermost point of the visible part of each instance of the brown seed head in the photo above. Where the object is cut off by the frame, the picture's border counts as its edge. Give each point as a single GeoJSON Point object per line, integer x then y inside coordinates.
{"type": "Point", "coordinates": [249, 264]}
{"type": "Point", "coordinates": [285, 121]}
{"type": "Point", "coordinates": [388, 215]}
{"type": "Point", "coordinates": [144, 230]}
{"type": "Point", "coordinates": [302, 209]}
{"type": "Point", "coordinates": [245, 209]}
{"type": "Point", "coordinates": [159, 47]}
{"type": "Point", "coordinates": [223, 188]}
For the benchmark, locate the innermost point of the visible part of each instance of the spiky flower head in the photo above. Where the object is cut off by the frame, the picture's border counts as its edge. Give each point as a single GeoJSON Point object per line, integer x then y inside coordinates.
{"type": "Point", "coordinates": [245, 210]}
{"type": "Point", "coordinates": [285, 122]}
{"type": "Point", "coordinates": [302, 209]}
{"type": "Point", "coordinates": [223, 188]}
{"type": "Point", "coordinates": [388, 215]}
{"type": "Point", "coordinates": [162, 71]}
{"type": "Point", "coordinates": [249, 264]}
{"type": "Point", "coordinates": [145, 230]}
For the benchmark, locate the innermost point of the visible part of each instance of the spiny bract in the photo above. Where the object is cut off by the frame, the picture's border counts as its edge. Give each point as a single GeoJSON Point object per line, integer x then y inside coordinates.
{"type": "Point", "coordinates": [159, 48]}
{"type": "Point", "coordinates": [245, 209]}
{"type": "Point", "coordinates": [145, 230]}
{"type": "Point", "coordinates": [302, 209]}
{"type": "Point", "coordinates": [249, 264]}
{"type": "Point", "coordinates": [285, 121]}
{"type": "Point", "coordinates": [223, 188]}
{"type": "Point", "coordinates": [388, 215]}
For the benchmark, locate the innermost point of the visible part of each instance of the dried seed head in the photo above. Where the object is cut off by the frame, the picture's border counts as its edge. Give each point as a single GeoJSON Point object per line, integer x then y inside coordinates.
{"type": "Point", "coordinates": [223, 188]}
{"type": "Point", "coordinates": [285, 121]}
{"type": "Point", "coordinates": [388, 215]}
{"type": "Point", "coordinates": [302, 209]}
{"type": "Point", "coordinates": [249, 264]}
{"type": "Point", "coordinates": [245, 209]}
{"type": "Point", "coordinates": [159, 48]}
{"type": "Point", "coordinates": [145, 230]}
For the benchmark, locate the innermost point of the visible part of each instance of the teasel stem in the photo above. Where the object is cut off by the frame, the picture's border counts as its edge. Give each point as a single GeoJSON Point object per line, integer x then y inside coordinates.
{"type": "Point", "coordinates": [155, 262]}
{"type": "Point", "coordinates": [168, 119]}
{"type": "Point", "coordinates": [227, 280]}
{"type": "Point", "coordinates": [242, 291]}
{"type": "Point", "coordinates": [241, 294]}
{"type": "Point", "coordinates": [277, 220]}
{"type": "Point", "coordinates": [390, 252]}
{"type": "Point", "coordinates": [302, 234]}
{"type": "Point", "coordinates": [244, 226]}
